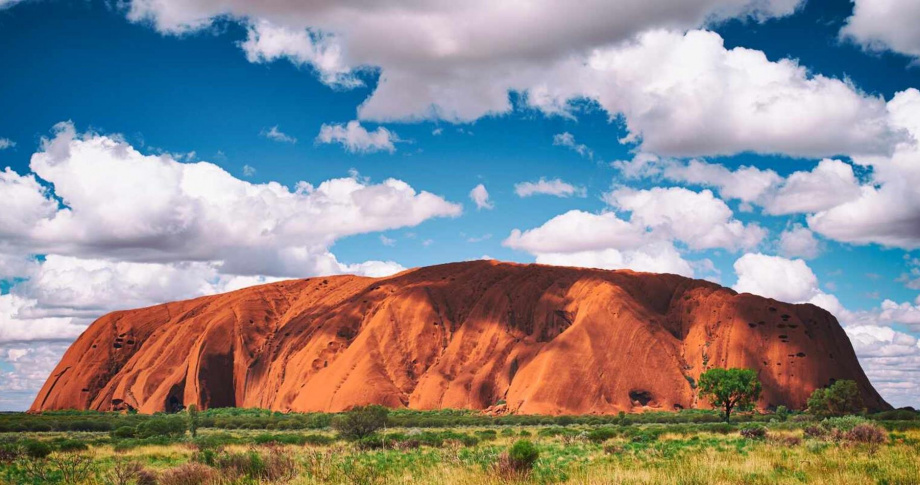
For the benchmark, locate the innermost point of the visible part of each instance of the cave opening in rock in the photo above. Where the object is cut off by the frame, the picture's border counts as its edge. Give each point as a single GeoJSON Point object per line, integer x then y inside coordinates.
{"type": "Point", "coordinates": [640, 396]}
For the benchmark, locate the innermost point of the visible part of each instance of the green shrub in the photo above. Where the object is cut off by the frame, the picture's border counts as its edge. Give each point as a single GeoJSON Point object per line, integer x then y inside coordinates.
{"type": "Point", "coordinates": [644, 435]}
{"type": "Point", "coordinates": [360, 422]}
{"type": "Point", "coordinates": [68, 445]}
{"type": "Point", "coordinates": [123, 432]}
{"type": "Point", "coordinates": [720, 428]}
{"type": "Point", "coordinates": [897, 415]}
{"type": "Point", "coordinates": [161, 426]}
{"type": "Point", "coordinates": [782, 413]}
{"type": "Point", "coordinates": [370, 442]}
{"type": "Point", "coordinates": [565, 420]}
{"type": "Point", "coordinates": [843, 423]}
{"type": "Point", "coordinates": [36, 450]}
{"type": "Point", "coordinates": [519, 459]}
{"type": "Point", "coordinates": [599, 435]}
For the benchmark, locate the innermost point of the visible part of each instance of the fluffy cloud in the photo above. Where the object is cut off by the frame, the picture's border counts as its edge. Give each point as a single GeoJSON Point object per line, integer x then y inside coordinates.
{"type": "Point", "coordinates": [681, 94]}
{"type": "Point", "coordinates": [887, 210]}
{"type": "Point", "coordinates": [25, 202]}
{"type": "Point", "coordinates": [687, 95]}
{"type": "Point", "coordinates": [6, 142]}
{"type": "Point", "coordinates": [480, 196]}
{"type": "Point", "coordinates": [883, 209]}
{"type": "Point", "coordinates": [355, 138]}
{"type": "Point", "coordinates": [891, 360]}
{"type": "Point", "coordinates": [789, 280]}
{"type": "Point", "coordinates": [29, 367]}
{"type": "Point", "coordinates": [658, 218]}
{"type": "Point", "coordinates": [911, 278]}
{"type": "Point", "coordinates": [588, 240]}
{"type": "Point", "coordinates": [699, 219]}
{"type": "Point", "coordinates": [798, 242]}
{"type": "Point", "coordinates": [21, 320]}
{"type": "Point", "coordinates": [578, 231]}
{"type": "Point", "coordinates": [904, 313]}
{"type": "Point", "coordinates": [747, 184]}
{"type": "Point", "coordinates": [658, 257]}
{"type": "Point", "coordinates": [884, 25]}
{"type": "Point", "coordinates": [160, 210]}
{"type": "Point", "coordinates": [266, 42]}
{"type": "Point", "coordinates": [554, 187]}
{"type": "Point", "coordinates": [277, 135]}
{"type": "Point", "coordinates": [567, 139]}
{"type": "Point", "coordinates": [493, 31]}
{"type": "Point", "coordinates": [829, 184]}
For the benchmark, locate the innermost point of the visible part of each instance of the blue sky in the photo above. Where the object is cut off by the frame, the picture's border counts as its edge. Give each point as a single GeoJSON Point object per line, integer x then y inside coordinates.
{"type": "Point", "coordinates": [179, 82]}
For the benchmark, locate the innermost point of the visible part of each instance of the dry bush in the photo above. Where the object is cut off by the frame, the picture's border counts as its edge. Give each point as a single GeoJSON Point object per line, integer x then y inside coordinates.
{"type": "Point", "coordinates": [189, 474]}
{"type": "Point", "coordinates": [280, 466]}
{"type": "Point", "coordinates": [409, 444]}
{"type": "Point", "coordinates": [570, 439]}
{"type": "Point", "coordinates": [125, 472]}
{"type": "Point", "coordinates": [272, 465]}
{"type": "Point", "coordinates": [815, 431]}
{"type": "Point", "coordinates": [755, 432]}
{"type": "Point", "coordinates": [504, 466]}
{"type": "Point", "coordinates": [74, 467]}
{"type": "Point", "coordinates": [319, 464]}
{"type": "Point", "coordinates": [785, 440]}
{"type": "Point", "coordinates": [867, 433]}
{"type": "Point", "coordinates": [613, 449]}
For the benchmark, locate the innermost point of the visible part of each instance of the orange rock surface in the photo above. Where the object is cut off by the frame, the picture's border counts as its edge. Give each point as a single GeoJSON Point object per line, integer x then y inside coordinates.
{"type": "Point", "coordinates": [544, 339]}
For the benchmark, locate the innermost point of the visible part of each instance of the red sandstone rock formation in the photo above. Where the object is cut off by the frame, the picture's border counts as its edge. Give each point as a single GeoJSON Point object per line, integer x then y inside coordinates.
{"type": "Point", "coordinates": [547, 340]}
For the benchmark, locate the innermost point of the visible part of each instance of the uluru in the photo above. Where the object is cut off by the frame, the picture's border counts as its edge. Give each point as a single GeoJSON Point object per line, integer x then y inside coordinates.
{"type": "Point", "coordinates": [528, 339]}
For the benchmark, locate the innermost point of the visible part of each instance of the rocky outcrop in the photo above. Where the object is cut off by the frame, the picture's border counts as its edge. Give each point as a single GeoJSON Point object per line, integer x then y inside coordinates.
{"type": "Point", "coordinates": [536, 339]}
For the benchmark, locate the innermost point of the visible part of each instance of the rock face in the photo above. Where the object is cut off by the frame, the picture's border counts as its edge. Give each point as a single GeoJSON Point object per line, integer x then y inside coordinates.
{"type": "Point", "coordinates": [546, 340]}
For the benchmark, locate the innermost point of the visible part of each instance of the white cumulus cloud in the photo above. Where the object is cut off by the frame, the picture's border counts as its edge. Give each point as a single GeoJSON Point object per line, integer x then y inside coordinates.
{"type": "Point", "coordinates": [799, 242]}
{"type": "Point", "coordinates": [277, 135]}
{"type": "Point", "coordinates": [355, 138]}
{"type": "Point", "coordinates": [885, 25]}
{"type": "Point", "coordinates": [480, 196]}
{"type": "Point", "coordinates": [554, 187]}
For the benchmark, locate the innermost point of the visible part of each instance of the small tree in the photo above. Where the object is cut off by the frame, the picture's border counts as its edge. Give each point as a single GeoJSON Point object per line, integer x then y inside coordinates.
{"type": "Point", "coordinates": [360, 421]}
{"type": "Point", "coordinates": [522, 455]}
{"type": "Point", "coordinates": [839, 399]}
{"type": "Point", "coordinates": [729, 388]}
{"type": "Point", "coordinates": [192, 412]}
{"type": "Point", "coordinates": [782, 412]}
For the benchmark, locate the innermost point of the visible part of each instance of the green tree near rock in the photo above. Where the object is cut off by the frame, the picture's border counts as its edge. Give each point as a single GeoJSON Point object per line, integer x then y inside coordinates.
{"type": "Point", "coordinates": [728, 389]}
{"type": "Point", "coordinates": [839, 399]}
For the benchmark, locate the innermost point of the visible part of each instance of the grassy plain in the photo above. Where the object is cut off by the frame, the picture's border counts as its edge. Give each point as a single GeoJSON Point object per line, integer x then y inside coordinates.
{"type": "Point", "coordinates": [457, 447]}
